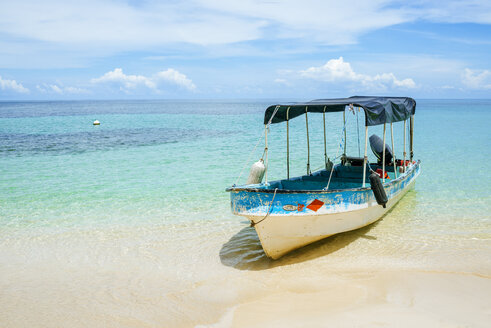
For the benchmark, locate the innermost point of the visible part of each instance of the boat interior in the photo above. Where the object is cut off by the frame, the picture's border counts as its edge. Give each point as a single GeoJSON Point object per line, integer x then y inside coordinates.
{"type": "Point", "coordinates": [343, 177]}
{"type": "Point", "coordinates": [346, 175]}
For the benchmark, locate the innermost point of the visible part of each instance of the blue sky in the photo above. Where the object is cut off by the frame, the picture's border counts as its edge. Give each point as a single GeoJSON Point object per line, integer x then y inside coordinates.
{"type": "Point", "coordinates": [243, 49]}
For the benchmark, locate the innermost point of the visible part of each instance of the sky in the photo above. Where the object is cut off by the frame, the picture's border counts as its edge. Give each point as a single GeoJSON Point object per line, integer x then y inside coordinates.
{"type": "Point", "coordinates": [244, 49]}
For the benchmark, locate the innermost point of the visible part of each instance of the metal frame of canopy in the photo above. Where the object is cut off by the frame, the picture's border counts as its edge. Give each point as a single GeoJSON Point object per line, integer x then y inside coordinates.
{"type": "Point", "coordinates": [378, 110]}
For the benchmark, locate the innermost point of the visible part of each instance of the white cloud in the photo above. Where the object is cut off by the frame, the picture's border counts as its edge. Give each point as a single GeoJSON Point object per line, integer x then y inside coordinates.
{"type": "Point", "coordinates": [477, 79]}
{"type": "Point", "coordinates": [283, 82]}
{"type": "Point", "coordinates": [333, 70]}
{"type": "Point", "coordinates": [325, 21]}
{"type": "Point", "coordinates": [60, 90]}
{"type": "Point", "coordinates": [130, 82]}
{"type": "Point", "coordinates": [74, 90]}
{"type": "Point", "coordinates": [342, 22]}
{"type": "Point", "coordinates": [12, 85]}
{"type": "Point", "coordinates": [173, 76]}
{"type": "Point", "coordinates": [46, 34]}
{"type": "Point", "coordinates": [453, 11]}
{"type": "Point", "coordinates": [337, 70]}
{"type": "Point", "coordinates": [127, 81]}
{"type": "Point", "coordinates": [56, 89]}
{"type": "Point", "coordinates": [121, 26]}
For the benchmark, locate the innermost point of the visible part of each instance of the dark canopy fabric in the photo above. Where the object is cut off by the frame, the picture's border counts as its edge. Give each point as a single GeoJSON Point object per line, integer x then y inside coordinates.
{"type": "Point", "coordinates": [378, 110]}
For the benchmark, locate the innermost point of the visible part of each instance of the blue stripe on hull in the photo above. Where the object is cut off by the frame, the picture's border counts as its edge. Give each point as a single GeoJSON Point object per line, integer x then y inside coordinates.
{"type": "Point", "coordinates": [255, 202]}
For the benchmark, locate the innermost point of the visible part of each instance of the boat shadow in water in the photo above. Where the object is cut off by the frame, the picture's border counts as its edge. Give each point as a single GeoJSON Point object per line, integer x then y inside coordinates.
{"type": "Point", "coordinates": [244, 251]}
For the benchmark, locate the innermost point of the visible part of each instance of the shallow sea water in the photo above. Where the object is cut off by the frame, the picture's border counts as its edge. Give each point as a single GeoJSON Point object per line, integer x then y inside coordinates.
{"type": "Point", "coordinates": [127, 224]}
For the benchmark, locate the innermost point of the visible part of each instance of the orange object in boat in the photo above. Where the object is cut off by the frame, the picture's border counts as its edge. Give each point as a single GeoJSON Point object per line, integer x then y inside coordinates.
{"type": "Point", "coordinates": [379, 172]}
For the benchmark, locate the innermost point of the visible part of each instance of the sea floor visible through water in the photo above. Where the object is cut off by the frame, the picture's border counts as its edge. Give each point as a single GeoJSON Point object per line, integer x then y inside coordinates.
{"type": "Point", "coordinates": [128, 224]}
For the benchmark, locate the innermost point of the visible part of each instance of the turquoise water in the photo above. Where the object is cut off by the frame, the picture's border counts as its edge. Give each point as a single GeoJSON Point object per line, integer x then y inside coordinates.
{"type": "Point", "coordinates": [134, 210]}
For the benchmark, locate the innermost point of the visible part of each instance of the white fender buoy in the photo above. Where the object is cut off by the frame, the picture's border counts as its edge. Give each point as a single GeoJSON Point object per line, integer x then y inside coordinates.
{"type": "Point", "coordinates": [257, 172]}
{"type": "Point", "coordinates": [96, 122]}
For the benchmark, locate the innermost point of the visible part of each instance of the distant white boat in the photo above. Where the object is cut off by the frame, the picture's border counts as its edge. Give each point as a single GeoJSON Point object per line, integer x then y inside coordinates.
{"type": "Point", "coordinates": [96, 122]}
{"type": "Point", "coordinates": [293, 212]}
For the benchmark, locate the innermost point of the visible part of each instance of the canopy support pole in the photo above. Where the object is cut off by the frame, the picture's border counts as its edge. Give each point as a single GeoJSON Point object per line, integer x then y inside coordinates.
{"type": "Point", "coordinates": [287, 145]}
{"type": "Point", "coordinates": [383, 158]}
{"type": "Point", "coordinates": [344, 128]}
{"type": "Point", "coordinates": [266, 153]}
{"type": "Point", "coordinates": [325, 143]}
{"type": "Point", "coordinates": [308, 143]}
{"type": "Point", "coordinates": [411, 133]}
{"type": "Point", "coordinates": [357, 109]}
{"type": "Point", "coordinates": [404, 152]}
{"type": "Point", "coordinates": [365, 158]}
{"type": "Point", "coordinates": [393, 150]}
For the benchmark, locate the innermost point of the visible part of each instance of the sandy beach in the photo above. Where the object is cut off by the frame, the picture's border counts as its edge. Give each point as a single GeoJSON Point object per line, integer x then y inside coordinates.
{"type": "Point", "coordinates": [371, 299]}
{"type": "Point", "coordinates": [331, 283]}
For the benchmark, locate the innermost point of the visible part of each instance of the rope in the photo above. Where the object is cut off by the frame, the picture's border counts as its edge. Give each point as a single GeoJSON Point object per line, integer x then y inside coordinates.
{"type": "Point", "coordinates": [249, 158]}
{"type": "Point", "coordinates": [369, 167]}
{"type": "Point", "coordinates": [320, 167]}
{"type": "Point", "coordinates": [269, 210]}
{"type": "Point", "coordinates": [337, 151]}
{"type": "Point", "coordinates": [257, 144]}
{"type": "Point", "coordinates": [274, 113]}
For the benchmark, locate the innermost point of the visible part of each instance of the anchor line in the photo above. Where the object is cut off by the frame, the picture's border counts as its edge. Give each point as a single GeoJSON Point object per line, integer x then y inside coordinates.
{"type": "Point", "coordinates": [269, 210]}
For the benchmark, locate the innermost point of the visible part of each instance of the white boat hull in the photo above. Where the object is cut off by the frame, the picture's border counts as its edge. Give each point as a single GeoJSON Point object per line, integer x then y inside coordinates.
{"type": "Point", "coordinates": [280, 234]}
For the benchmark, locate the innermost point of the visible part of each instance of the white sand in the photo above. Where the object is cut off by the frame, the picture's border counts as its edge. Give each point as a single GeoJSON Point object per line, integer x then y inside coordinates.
{"type": "Point", "coordinates": [138, 278]}
{"type": "Point", "coordinates": [381, 299]}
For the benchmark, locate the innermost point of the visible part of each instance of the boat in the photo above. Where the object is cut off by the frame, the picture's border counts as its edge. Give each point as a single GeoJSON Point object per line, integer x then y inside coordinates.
{"type": "Point", "coordinates": [296, 211]}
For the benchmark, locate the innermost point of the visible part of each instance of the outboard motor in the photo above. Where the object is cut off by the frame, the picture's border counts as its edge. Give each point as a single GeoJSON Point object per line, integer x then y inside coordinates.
{"type": "Point", "coordinates": [378, 189]}
{"type": "Point", "coordinates": [377, 147]}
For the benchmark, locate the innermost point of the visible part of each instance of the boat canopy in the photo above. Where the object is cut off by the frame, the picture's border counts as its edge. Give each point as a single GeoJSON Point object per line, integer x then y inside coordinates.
{"type": "Point", "coordinates": [378, 110]}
